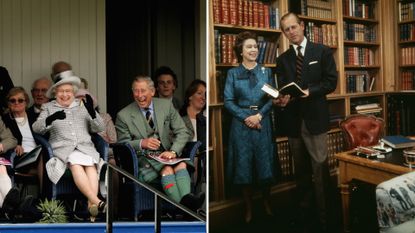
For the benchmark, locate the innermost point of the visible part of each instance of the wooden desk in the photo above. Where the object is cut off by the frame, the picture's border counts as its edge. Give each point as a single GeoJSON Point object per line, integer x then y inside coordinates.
{"type": "Point", "coordinates": [371, 171]}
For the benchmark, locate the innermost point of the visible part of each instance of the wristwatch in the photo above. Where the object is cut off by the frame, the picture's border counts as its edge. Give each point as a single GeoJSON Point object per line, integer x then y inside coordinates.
{"type": "Point", "coordinates": [173, 152]}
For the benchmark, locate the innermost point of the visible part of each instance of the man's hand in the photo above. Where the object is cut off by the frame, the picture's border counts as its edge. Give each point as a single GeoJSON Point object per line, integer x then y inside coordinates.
{"type": "Point", "coordinates": [307, 91]}
{"type": "Point", "coordinates": [150, 143]}
{"type": "Point", "coordinates": [167, 155]}
{"type": "Point", "coordinates": [19, 150]}
{"type": "Point", "coordinates": [282, 100]}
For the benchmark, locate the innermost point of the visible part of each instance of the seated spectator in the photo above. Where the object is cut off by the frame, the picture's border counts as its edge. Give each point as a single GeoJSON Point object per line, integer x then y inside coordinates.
{"type": "Point", "coordinates": [69, 124]}
{"type": "Point", "coordinates": [6, 84]}
{"type": "Point", "coordinates": [20, 125]}
{"type": "Point", "coordinates": [9, 197]}
{"type": "Point", "coordinates": [166, 85]}
{"type": "Point", "coordinates": [145, 124]}
{"type": "Point", "coordinates": [193, 116]}
{"type": "Point", "coordinates": [39, 89]}
{"type": "Point", "coordinates": [60, 67]}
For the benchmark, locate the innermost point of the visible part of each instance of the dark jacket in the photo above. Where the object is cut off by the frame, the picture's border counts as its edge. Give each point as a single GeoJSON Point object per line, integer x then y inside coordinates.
{"type": "Point", "coordinates": [6, 84]}
{"type": "Point", "coordinates": [319, 75]}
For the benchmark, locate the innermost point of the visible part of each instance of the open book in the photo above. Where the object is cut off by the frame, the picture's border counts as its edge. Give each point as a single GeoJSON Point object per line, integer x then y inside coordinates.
{"type": "Point", "coordinates": [291, 89]}
{"type": "Point", "coordinates": [166, 161]}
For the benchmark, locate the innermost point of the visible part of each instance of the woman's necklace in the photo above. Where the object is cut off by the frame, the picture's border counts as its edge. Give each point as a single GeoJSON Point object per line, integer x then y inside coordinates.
{"type": "Point", "coordinates": [250, 65]}
{"type": "Point", "coordinates": [21, 121]}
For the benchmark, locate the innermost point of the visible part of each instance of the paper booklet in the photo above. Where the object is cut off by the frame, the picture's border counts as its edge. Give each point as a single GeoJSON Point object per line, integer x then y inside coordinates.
{"type": "Point", "coordinates": [167, 161]}
{"type": "Point", "coordinates": [291, 89]}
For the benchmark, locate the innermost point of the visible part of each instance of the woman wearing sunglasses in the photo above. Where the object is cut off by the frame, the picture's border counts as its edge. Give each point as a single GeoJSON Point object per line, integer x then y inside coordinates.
{"type": "Point", "coordinates": [16, 119]}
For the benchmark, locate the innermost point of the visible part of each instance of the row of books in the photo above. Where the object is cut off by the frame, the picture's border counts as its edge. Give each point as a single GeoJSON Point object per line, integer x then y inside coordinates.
{"type": "Point", "coordinates": [224, 43]}
{"type": "Point", "coordinates": [408, 80]}
{"type": "Point", "coordinates": [400, 115]}
{"type": "Point", "coordinates": [246, 13]}
{"type": "Point", "coordinates": [407, 55]}
{"type": "Point", "coordinates": [285, 159]}
{"type": "Point", "coordinates": [407, 32]}
{"type": "Point", "coordinates": [224, 48]}
{"type": "Point", "coordinates": [324, 34]}
{"type": "Point", "coordinates": [406, 11]}
{"type": "Point", "coordinates": [268, 51]}
{"type": "Point", "coordinates": [358, 8]}
{"type": "Point", "coordinates": [359, 32]}
{"type": "Point", "coordinates": [359, 81]}
{"type": "Point", "coordinates": [358, 56]}
{"type": "Point", "coordinates": [313, 8]}
{"type": "Point", "coordinates": [336, 144]}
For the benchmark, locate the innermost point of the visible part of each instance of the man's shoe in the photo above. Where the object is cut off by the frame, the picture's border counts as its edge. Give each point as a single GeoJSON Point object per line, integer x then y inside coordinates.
{"type": "Point", "coordinates": [192, 202]}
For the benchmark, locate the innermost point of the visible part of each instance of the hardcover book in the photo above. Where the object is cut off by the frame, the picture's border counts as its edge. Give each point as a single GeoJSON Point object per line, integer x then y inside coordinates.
{"type": "Point", "coordinates": [291, 89]}
{"type": "Point", "coordinates": [398, 141]}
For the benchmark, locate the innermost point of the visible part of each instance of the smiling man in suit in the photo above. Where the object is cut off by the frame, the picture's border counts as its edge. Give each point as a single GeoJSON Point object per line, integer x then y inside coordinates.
{"type": "Point", "coordinates": [313, 68]}
{"type": "Point", "coordinates": [146, 124]}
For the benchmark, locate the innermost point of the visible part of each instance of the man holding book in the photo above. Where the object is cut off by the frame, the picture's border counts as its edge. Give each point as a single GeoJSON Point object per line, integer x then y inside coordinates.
{"type": "Point", "coordinates": [312, 67]}
{"type": "Point", "coordinates": [145, 124]}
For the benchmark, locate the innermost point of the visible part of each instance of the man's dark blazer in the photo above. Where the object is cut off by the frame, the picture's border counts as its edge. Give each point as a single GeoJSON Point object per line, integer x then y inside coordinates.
{"type": "Point", "coordinates": [319, 75]}
{"type": "Point", "coordinates": [6, 84]}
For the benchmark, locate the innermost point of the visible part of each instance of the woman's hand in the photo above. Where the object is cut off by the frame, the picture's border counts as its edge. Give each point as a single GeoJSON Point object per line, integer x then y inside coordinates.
{"type": "Point", "coordinates": [59, 115]}
{"type": "Point", "coordinates": [1, 148]}
{"type": "Point", "coordinates": [89, 105]}
{"type": "Point", "coordinates": [19, 150]}
{"type": "Point", "coordinates": [254, 121]}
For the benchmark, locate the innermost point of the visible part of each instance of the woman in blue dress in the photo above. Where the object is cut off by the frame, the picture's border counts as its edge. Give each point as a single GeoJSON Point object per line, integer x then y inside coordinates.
{"type": "Point", "coordinates": [251, 154]}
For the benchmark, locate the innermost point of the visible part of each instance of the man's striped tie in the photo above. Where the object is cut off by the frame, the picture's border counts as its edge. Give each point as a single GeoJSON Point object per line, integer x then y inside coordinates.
{"type": "Point", "coordinates": [149, 118]}
{"type": "Point", "coordinates": [299, 64]}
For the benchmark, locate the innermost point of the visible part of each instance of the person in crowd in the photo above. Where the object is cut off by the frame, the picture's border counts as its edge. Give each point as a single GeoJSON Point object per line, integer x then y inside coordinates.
{"type": "Point", "coordinates": [193, 116]}
{"type": "Point", "coordinates": [39, 88]}
{"type": "Point", "coordinates": [110, 136]}
{"type": "Point", "coordinates": [69, 124]}
{"type": "Point", "coordinates": [84, 83]}
{"type": "Point", "coordinates": [313, 68]}
{"type": "Point", "coordinates": [18, 121]}
{"type": "Point", "coordinates": [9, 197]}
{"type": "Point", "coordinates": [251, 147]}
{"type": "Point", "coordinates": [60, 67]}
{"type": "Point", "coordinates": [166, 84]}
{"type": "Point", "coordinates": [145, 124]}
{"type": "Point", "coordinates": [6, 84]}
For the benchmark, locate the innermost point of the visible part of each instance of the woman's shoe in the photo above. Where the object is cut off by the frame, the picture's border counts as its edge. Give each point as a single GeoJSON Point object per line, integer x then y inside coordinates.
{"type": "Point", "coordinates": [102, 206]}
{"type": "Point", "coordinates": [93, 212]}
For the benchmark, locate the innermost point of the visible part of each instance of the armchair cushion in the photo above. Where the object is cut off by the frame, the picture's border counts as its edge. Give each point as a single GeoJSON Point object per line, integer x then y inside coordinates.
{"type": "Point", "coordinates": [362, 130]}
{"type": "Point", "coordinates": [395, 200]}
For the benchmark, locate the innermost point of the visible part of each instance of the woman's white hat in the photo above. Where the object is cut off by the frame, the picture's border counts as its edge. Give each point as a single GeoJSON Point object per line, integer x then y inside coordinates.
{"type": "Point", "coordinates": [64, 77]}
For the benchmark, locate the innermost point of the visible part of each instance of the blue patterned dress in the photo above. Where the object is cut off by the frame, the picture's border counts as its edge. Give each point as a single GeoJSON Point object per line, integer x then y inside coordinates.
{"type": "Point", "coordinates": [249, 150]}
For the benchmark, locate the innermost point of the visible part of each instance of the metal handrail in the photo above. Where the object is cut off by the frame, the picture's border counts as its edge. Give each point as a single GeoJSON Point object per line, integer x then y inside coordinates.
{"type": "Point", "coordinates": [157, 196]}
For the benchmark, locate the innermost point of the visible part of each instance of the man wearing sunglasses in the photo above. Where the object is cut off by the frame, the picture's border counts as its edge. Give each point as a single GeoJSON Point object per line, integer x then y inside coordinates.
{"type": "Point", "coordinates": [39, 88]}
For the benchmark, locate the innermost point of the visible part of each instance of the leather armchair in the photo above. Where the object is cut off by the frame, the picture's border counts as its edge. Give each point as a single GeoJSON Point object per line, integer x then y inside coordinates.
{"type": "Point", "coordinates": [362, 130]}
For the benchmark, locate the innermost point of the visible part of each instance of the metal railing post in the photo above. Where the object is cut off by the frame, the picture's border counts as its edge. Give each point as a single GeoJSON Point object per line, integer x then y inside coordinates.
{"type": "Point", "coordinates": [109, 215]}
{"type": "Point", "coordinates": [157, 214]}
